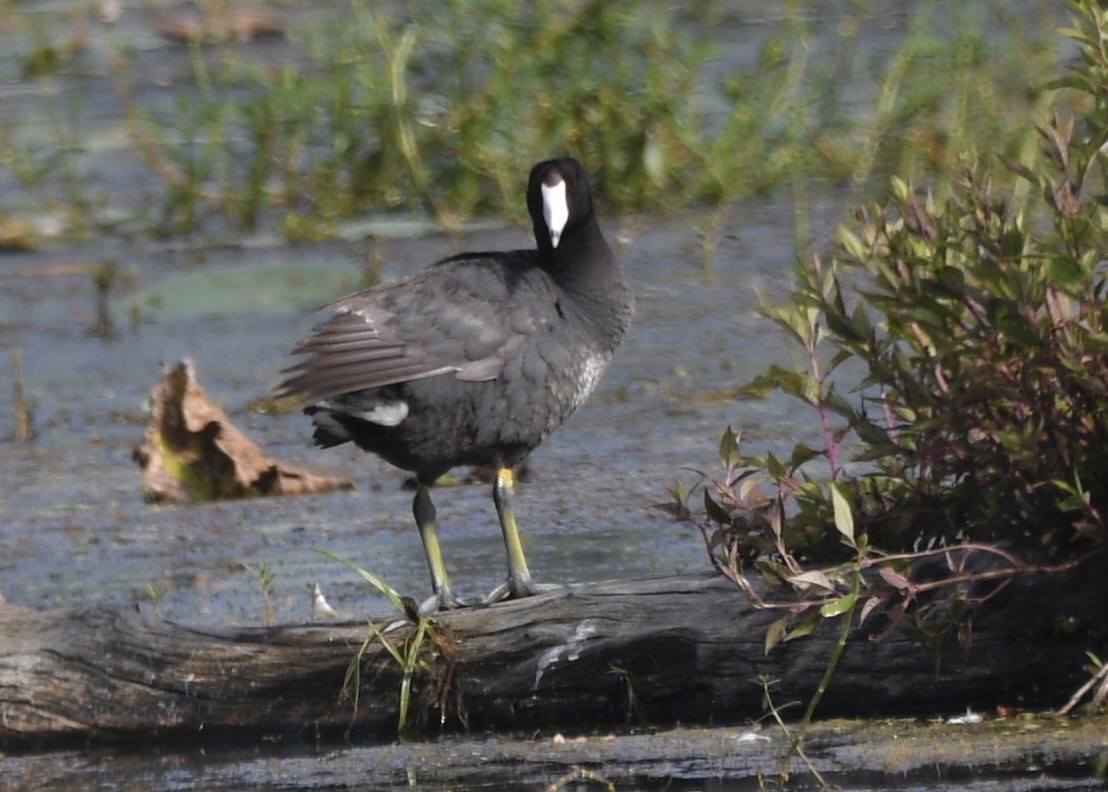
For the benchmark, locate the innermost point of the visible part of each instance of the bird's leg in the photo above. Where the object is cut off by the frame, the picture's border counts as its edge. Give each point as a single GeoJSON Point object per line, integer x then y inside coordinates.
{"type": "Point", "coordinates": [424, 511]}
{"type": "Point", "coordinates": [519, 578]}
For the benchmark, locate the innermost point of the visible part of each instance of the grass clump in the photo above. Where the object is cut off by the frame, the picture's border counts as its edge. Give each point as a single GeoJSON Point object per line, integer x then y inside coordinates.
{"type": "Point", "coordinates": [426, 654]}
{"type": "Point", "coordinates": [265, 576]}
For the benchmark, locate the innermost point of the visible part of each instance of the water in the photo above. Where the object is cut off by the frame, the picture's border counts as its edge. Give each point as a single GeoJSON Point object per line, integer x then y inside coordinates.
{"type": "Point", "coordinates": [77, 529]}
{"type": "Point", "coordinates": [680, 760]}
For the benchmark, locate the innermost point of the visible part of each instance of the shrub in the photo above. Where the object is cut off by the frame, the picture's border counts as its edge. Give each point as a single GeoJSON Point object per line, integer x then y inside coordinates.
{"type": "Point", "coordinates": [957, 356]}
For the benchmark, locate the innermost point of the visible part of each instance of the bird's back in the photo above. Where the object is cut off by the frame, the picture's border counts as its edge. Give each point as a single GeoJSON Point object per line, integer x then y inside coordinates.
{"type": "Point", "coordinates": [496, 355]}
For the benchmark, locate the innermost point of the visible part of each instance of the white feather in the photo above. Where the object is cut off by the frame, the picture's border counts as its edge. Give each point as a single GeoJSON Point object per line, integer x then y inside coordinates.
{"type": "Point", "coordinates": [386, 413]}
{"type": "Point", "coordinates": [555, 210]}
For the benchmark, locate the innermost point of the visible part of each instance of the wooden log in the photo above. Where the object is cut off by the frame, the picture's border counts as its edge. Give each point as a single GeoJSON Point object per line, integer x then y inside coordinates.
{"type": "Point", "coordinates": [677, 649]}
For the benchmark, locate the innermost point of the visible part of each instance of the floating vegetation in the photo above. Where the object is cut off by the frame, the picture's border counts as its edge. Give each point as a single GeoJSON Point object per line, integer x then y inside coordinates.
{"type": "Point", "coordinates": [428, 108]}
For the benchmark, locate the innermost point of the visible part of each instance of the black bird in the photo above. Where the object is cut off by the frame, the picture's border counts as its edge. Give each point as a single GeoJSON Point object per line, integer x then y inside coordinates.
{"type": "Point", "coordinates": [473, 361]}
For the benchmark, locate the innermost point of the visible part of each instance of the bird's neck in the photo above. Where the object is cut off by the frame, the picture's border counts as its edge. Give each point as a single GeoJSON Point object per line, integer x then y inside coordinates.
{"type": "Point", "coordinates": [582, 257]}
{"type": "Point", "coordinates": [588, 273]}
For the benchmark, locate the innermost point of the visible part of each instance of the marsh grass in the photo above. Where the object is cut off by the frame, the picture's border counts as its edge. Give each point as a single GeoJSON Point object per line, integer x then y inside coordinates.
{"type": "Point", "coordinates": [45, 164]}
{"type": "Point", "coordinates": [153, 593]}
{"type": "Point", "coordinates": [265, 577]}
{"type": "Point", "coordinates": [424, 655]}
{"type": "Point", "coordinates": [439, 107]}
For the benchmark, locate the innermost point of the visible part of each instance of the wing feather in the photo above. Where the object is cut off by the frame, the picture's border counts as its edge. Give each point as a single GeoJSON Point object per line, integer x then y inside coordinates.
{"type": "Point", "coordinates": [456, 317]}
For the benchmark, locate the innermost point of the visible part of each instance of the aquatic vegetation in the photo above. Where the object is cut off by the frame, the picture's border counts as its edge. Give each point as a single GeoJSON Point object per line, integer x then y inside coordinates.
{"type": "Point", "coordinates": [153, 593]}
{"type": "Point", "coordinates": [954, 354]}
{"type": "Point", "coordinates": [106, 278]}
{"type": "Point", "coordinates": [1096, 688]}
{"type": "Point", "coordinates": [425, 654]}
{"type": "Point", "coordinates": [24, 414]}
{"type": "Point", "coordinates": [433, 109]}
{"type": "Point", "coordinates": [429, 107]}
{"type": "Point", "coordinates": [265, 577]}
{"type": "Point", "coordinates": [955, 357]}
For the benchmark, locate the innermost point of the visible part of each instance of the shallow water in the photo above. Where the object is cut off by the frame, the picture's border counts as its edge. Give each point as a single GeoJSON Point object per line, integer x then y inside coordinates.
{"type": "Point", "coordinates": [76, 527]}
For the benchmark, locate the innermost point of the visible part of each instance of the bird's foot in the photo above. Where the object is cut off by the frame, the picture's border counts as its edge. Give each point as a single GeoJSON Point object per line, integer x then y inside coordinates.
{"type": "Point", "coordinates": [506, 591]}
{"type": "Point", "coordinates": [442, 601]}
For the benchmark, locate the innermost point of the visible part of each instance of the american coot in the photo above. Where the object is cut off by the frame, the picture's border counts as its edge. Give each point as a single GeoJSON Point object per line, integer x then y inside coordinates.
{"type": "Point", "coordinates": [473, 361]}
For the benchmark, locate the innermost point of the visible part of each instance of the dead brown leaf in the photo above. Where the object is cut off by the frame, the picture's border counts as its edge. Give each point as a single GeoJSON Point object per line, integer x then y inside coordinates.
{"type": "Point", "coordinates": [192, 452]}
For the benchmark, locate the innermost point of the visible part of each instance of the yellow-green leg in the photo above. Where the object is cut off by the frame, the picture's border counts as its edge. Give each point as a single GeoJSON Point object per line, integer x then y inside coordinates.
{"type": "Point", "coordinates": [519, 577]}
{"type": "Point", "coordinates": [424, 511]}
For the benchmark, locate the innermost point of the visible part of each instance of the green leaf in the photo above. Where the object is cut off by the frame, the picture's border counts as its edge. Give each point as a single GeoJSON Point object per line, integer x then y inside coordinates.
{"type": "Point", "coordinates": [851, 244]}
{"type": "Point", "coordinates": [654, 160]}
{"type": "Point", "coordinates": [814, 577]}
{"type": "Point", "coordinates": [838, 607]}
{"type": "Point", "coordinates": [238, 290]}
{"type": "Point", "coordinates": [776, 633]}
{"type": "Point", "coordinates": [844, 516]}
{"type": "Point", "coordinates": [715, 511]}
{"type": "Point", "coordinates": [1063, 271]}
{"type": "Point", "coordinates": [775, 469]}
{"type": "Point", "coordinates": [900, 189]}
{"type": "Point", "coordinates": [806, 627]}
{"type": "Point", "coordinates": [801, 454]}
{"type": "Point", "coordinates": [863, 328]}
{"type": "Point", "coordinates": [374, 580]}
{"type": "Point", "coordinates": [953, 279]}
{"type": "Point", "coordinates": [729, 449]}
{"type": "Point", "coordinates": [837, 404]}
{"type": "Point", "coordinates": [870, 433]}
{"type": "Point", "coordinates": [773, 572]}
{"type": "Point", "coordinates": [795, 320]}
{"type": "Point", "coordinates": [794, 383]}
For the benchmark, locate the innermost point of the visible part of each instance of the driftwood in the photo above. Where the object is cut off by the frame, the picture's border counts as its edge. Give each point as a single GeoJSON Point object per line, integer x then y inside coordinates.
{"type": "Point", "coordinates": [682, 649]}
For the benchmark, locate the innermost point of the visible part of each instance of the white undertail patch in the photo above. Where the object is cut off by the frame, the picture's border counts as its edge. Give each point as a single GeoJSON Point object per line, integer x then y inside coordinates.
{"type": "Point", "coordinates": [385, 414]}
